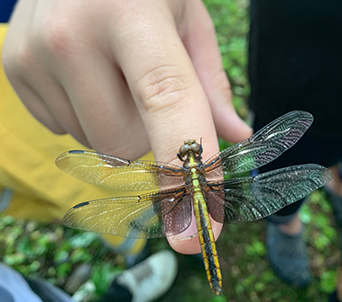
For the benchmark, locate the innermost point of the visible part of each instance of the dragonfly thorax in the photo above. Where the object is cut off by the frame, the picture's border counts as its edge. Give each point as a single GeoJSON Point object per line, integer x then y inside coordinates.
{"type": "Point", "coordinates": [191, 161]}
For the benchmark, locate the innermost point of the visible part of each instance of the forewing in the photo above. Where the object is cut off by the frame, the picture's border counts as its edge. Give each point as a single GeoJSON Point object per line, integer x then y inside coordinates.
{"type": "Point", "coordinates": [119, 174]}
{"type": "Point", "coordinates": [146, 216]}
{"type": "Point", "coordinates": [262, 147]}
{"type": "Point", "coordinates": [253, 198]}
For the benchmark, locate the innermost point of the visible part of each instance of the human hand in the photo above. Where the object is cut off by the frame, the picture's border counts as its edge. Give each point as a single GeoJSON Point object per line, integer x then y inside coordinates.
{"type": "Point", "coordinates": [123, 76]}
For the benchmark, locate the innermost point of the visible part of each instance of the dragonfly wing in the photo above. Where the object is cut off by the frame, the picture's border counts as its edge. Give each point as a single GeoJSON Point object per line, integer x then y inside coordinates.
{"type": "Point", "coordinates": [146, 216]}
{"type": "Point", "coordinates": [253, 198]}
{"type": "Point", "coordinates": [262, 147]}
{"type": "Point", "coordinates": [119, 174]}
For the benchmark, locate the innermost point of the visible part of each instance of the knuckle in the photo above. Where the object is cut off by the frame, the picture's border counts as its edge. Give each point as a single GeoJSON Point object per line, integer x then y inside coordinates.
{"type": "Point", "coordinates": [220, 82]}
{"type": "Point", "coordinates": [25, 57]}
{"type": "Point", "coordinates": [18, 61]}
{"type": "Point", "coordinates": [162, 87]}
{"type": "Point", "coordinates": [60, 36]}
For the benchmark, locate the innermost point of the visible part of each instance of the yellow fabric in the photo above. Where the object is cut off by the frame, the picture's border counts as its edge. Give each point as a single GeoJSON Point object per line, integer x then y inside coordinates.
{"type": "Point", "coordinates": [27, 154]}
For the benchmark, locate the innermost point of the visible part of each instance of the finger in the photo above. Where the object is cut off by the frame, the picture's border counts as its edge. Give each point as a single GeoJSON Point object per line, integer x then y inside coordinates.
{"type": "Point", "coordinates": [35, 104]}
{"type": "Point", "coordinates": [43, 95]}
{"type": "Point", "coordinates": [104, 107]}
{"type": "Point", "coordinates": [24, 68]}
{"type": "Point", "coordinates": [163, 82]}
{"type": "Point", "coordinates": [200, 41]}
{"type": "Point", "coordinates": [168, 94]}
{"type": "Point", "coordinates": [188, 242]}
{"type": "Point", "coordinates": [97, 91]}
{"type": "Point", "coordinates": [57, 102]}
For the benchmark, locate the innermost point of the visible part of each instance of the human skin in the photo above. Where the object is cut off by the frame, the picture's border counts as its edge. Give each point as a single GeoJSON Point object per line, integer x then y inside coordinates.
{"type": "Point", "coordinates": [124, 77]}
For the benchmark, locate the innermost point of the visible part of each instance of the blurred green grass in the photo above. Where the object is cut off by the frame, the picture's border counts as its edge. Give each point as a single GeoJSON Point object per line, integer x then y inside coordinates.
{"type": "Point", "coordinates": [53, 252]}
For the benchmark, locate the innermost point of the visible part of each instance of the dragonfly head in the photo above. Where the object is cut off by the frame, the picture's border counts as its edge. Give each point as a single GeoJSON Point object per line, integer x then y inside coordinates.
{"type": "Point", "coordinates": [190, 146]}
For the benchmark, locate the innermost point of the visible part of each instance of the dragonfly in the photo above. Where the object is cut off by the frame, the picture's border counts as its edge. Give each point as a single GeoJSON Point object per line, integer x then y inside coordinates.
{"type": "Point", "coordinates": [214, 188]}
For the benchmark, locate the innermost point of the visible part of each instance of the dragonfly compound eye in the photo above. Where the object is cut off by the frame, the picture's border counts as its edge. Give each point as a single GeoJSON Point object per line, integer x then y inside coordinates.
{"type": "Point", "coordinates": [195, 147]}
{"type": "Point", "coordinates": [183, 149]}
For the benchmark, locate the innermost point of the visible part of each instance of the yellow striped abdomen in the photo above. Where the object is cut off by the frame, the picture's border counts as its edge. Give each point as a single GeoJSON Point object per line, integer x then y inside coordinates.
{"type": "Point", "coordinates": [207, 241]}
{"type": "Point", "coordinates": [205, 232]}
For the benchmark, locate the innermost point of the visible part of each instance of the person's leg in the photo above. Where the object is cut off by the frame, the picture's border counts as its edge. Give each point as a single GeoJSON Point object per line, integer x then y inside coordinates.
{"type": "Point", "coordinates": [284, 240]}
{"type": "Point", "coordinates": [293, 227]}
{"type": "Point", "coordinates": [14, 288]}
{"type": "Point", "coordinates": [292, 230]}
{"type": "Point", "coordinates": [48, 292]}
{"type": "Point", "coordinates": [287, 251]}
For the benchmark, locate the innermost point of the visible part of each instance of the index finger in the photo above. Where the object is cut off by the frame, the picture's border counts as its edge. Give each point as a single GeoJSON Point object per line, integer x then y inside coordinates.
{"type": "Point", "coordinates": [166, 89]}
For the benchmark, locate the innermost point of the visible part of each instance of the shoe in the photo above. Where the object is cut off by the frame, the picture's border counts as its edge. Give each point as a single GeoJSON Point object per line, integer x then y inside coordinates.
{"type": "Point", "coordinates": [287, 256]}
{"type": "Point", "coordinates": [151, 278]}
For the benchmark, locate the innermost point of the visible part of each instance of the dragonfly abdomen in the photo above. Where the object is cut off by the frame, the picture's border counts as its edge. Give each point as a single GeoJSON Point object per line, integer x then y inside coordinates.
{"type": "Point", "coordinates": [207, 242]}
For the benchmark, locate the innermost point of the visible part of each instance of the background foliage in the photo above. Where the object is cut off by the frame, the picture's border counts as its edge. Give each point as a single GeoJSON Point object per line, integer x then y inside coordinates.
{"type": "Point", "coordinates": [53, 252]}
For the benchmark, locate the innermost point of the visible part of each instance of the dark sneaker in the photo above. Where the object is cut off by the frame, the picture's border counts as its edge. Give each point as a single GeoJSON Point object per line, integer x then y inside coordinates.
{"type": "Point", "coordinates": [287, 256]}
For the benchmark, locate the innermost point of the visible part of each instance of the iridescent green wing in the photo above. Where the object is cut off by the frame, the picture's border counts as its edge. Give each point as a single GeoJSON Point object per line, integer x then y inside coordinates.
{"type": "Point", "coordinates": [256, 197]}
{"type": "Point", "coordinates": [261, 148]}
